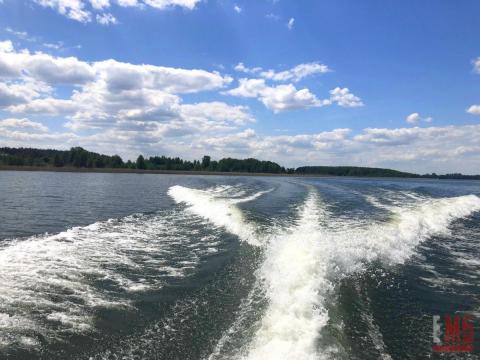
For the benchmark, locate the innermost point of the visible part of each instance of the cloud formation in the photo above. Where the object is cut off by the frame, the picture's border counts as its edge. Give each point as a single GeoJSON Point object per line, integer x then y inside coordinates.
{"type": "Point", "coordinates": [85, 11]}
{"type": "Point", "coordinates": [295, 74]}
{"type": "Point", "coordinates": [116, 107]}
{"type": "Point", "coordinates": [415, 118]}
{"type": "Point", "coordinates": [113, 95]}
{"type": "Point", "coordinates": [286, 97]}
{"type": "Point", "coordinates": [474, 110]}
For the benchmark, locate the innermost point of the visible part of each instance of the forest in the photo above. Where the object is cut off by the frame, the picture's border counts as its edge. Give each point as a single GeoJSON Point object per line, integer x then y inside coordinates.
{"type": "Point", "coordinates": [78, 157]}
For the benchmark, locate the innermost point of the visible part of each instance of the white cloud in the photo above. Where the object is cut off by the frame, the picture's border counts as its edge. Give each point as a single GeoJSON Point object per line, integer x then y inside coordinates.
{"type": "Point", "coordinates": [55, 46]}
{"type": "Point", "coordinates": [162, 4]}
{"type": "Point", "coordinates": [434, 149]}
{"type": "Point", "coordinates": [22, 124]}
{"type": "Point", "coordinates": [476, 65]}
{"type": "Point", "coordinates": [297, 73]}
{"type": "Point", "coordinates": [100, 4]}
{"type": "Point", "coordinates": [240, 67]}
{"type": "Point", "coordinates": [287, 97]}
{"type": "Point", "coordinates": [415, 118]}
{"type": "Point", "coordinates": [474, 110]}
{"type": "Point", "coordinates": [130, 109]}
{"type": "Point", "coordinates": [290, 23]}
{"type": "Point", "coordinates": [237, 9]}
{"type": "Point", "coordinates": [84, 10]}
{"type": "Point", "coordinates": [43, 67]}
{"type": "Point", "coordinates": [218, 112]}
{"type": "Point", "coordinates": [118, 76]}
{"type": "Point", "coordinates": [6, 46]}
{"type": "Point", "coordinates": [343, 97]}
{"type": "Point", "coordinates": [106, 19]}
{"type": "Point", "coordinates": [73, 9]}
{"type": "Point", "coordinates": [277, 98]}
{"type": "Point", "coordinates": [128, 3]}
{"type": "Point", "coordinates": [114, 95]}
{"type": "Point", "coordinates": [115, 75]}
{"type": "Point", "coordinates": [45, 106]}
{"type": "Point", "coordinates": [14, 93]}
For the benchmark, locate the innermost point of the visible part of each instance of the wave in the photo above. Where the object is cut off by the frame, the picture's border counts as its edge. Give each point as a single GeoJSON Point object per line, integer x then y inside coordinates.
{"type": "Point", "coordinates": [218, 205]}
{"type": "Point", "coordinates": [305, 262]}
{"type": "Point", "coordinates": [294, 276]}
{"type": "Point", "coordinates": [53, 283]}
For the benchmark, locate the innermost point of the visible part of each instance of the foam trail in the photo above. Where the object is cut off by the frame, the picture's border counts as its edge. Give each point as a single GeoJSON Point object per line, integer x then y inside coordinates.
{"type": "Point", "coordinates": [219, 210]}
{"type": "Point", "coordinates": [395, 241]}
{"type": "Point", "coordinates": [294, 274]}
{"type": "Point", "coordinates": [303, 264]}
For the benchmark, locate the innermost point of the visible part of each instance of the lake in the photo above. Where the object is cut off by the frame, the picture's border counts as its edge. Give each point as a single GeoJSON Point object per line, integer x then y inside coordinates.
{"type": "Point", "coordinates": [141, 266]}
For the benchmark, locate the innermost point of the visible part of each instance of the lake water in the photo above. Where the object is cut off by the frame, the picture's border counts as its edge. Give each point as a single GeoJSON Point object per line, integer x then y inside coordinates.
{"type": "Point", "coordinates": [130, 266]}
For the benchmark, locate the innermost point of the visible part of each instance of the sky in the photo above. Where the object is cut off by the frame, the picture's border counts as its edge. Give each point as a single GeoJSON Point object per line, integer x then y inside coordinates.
{"type": "Point", "coordinates": [314, 82]}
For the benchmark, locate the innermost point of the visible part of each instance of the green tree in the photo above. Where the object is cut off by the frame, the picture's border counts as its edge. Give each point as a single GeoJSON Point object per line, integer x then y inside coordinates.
{"type": "Point", "coordinates": [58, 161]}
{"type": "Point", "coordinates": [205, 161]}
{"type": "Point", "coordinates": [141, 162]}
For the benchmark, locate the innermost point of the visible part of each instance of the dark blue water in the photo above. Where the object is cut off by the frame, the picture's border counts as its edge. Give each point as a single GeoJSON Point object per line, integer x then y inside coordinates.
{"type": "Point", "coordinates": [129, 266]}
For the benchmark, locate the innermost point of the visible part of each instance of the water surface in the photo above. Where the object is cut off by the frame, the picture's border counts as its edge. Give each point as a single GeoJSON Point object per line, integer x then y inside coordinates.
{"type": "Point", "coordinates": [137, 266]}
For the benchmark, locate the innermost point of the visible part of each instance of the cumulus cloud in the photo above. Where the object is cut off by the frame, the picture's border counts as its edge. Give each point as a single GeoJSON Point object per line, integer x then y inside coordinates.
{"type": "Point", "coordinates": [6, 46]}
{"type": "Point", "coordinates": [474, 110]}
{"type": "Point", "coordinates": [43, 67]}
{"type": "Point", "coordinates": [85, 10]}
{"type": "Point", "coordinates": [411, 149]}
{"type": "Point", "coordinates": [99, 88]}
{"type": "Point", "coordinates": [15, 93]}
{"type": "Point", "coordinates": [237, 9]}
{"type": "Point", "coordinates": [130, 109]}
{"type": "Point", "coordinates": [286, 97]}
{"type": "Point", "coordinates": [116, 75]}
{"type": "Point", "coordinates": [100, 4]}
{"type": "Point", "coordinates": [276, 98]}
{"type": "Point", "coordinates": [45, 106]}
{"type": "Point", "coordinates": [344, 98]}
{"type": "Point", "coordinates": [13, 123]}
{"type": "Point", "coordinates": [114, 97]}
{"type": "Point", "coordinates": [415, 118]}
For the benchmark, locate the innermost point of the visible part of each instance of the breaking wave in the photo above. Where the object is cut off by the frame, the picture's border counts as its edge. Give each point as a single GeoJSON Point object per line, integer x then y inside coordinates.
{"type": "Point", "coordinates": [218, 205]}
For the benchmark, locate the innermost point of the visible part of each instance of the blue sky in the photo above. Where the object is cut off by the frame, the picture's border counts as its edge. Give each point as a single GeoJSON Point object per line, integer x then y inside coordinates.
{"type": "Point", "coordinates": [345, 82]}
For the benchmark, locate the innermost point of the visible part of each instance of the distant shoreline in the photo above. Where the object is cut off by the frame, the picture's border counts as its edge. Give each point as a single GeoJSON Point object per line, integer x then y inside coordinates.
{"type": "Point", "coordinates": [184, 172]}
{"type": "Point", "coordinates": [138, 171]}
{"type": "Point", "coordinates": [79, 160]}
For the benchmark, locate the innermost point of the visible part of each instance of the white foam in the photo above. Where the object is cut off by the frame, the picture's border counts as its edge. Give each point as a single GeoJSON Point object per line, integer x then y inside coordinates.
{"type": "Point", "coordinates": [219, 210]}
{"type": "Point", "coordinates": [303, 264]}
{"type": "Point", "coordinates": [294, 274]}
{"type": "Point", "coordinates": [57, 275]}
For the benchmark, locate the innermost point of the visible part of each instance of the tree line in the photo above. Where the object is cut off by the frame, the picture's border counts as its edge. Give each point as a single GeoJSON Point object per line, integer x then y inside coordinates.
{"type": "Point", "coordinates": [78, 157]}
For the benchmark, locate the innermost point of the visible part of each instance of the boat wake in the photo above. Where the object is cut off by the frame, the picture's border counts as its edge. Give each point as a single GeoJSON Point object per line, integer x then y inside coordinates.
{"type": "Point", "coordinates": [50, 285]}
{"type": "Point", "coordinates": [303, 263]}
